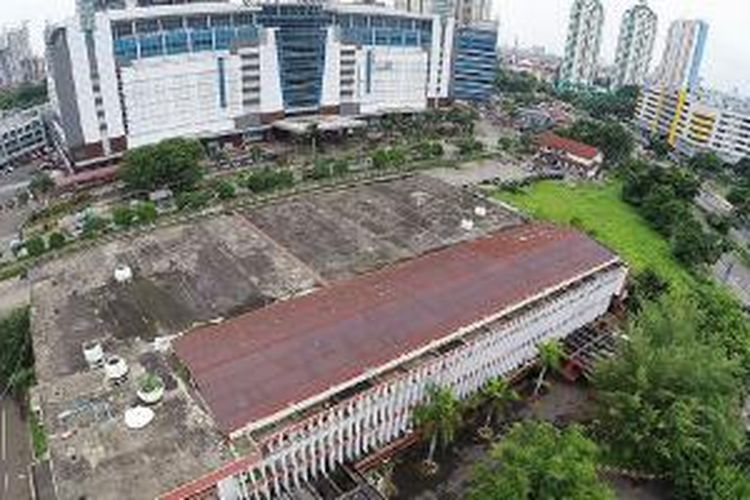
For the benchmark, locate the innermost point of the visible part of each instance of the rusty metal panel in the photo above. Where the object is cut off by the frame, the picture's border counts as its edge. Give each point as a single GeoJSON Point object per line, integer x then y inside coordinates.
{"type": "Point", "coordinates": [259, 363]}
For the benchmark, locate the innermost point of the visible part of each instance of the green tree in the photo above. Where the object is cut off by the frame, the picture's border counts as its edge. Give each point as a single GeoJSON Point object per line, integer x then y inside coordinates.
{"type": "Point", "coordinates": [551, 355]}
{"type": "Point", "coordinates": [93, 224]}
{"type": "Point", "coordinates": [41, 184]}
{"type": "Point", "coordinates": [535, 461]}
{"type": "Point", "coordinates": [224, 189]}
{"type": "Point", "coordinates": [611, 137]}
{"type": "Point", "coordinates": [659, 146]}
{"type": "Point", "coordinates": [693, 246]}
{"type": "Point", "coordinates": [669, 403]}
{"type": "Point", "coordinates": [123, 216]}
{"type": "Point", "coordinates": [56, 241]}
{"type": "Point", "coordinates": [706, 163]}
{"type": "Point", "coordinates": [438, 417]}
{"type": "Point", "coordinates": [36, 246]}
{"type": "Point", "coordinates": [173, 163]}
{"type": "Point", "coordinates": [145, 212]}
{"type": "Point", "coordinates": [25, 96]}
{"type": "Point", "coordinates": [16, 353]}
{"type": "Point", "coordinates": [497, 395]}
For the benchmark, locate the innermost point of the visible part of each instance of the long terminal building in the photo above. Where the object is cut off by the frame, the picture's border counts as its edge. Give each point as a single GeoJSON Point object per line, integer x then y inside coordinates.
{"type": "Point", "coordinates": [126, 73]}
{"type": "Point", "coordinates": [333, 377]}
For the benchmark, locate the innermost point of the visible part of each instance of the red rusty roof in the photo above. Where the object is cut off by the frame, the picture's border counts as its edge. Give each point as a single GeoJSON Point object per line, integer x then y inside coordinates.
{"type": "Point", "coordinates": [260, 363]}
{"type": "Point", "coordinates": [579, 149]}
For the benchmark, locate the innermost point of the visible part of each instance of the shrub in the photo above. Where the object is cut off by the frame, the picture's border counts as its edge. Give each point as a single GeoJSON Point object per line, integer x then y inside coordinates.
{"type": "Point", "coordinates": [145, 212]}
{"type": "Point", "coordinates": [224, 189]}
{"type": "Point", "coordinates": [123, 216]}
{"type": "Point", "coordinates": [193, 200]}
{"type": "Point", "coordinates": [36, 246]}
{"type": "Point", "coordinates": [56, 241]}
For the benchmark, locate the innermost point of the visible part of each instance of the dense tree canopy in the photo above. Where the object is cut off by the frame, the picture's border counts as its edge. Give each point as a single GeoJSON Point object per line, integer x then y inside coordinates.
{"type": "Point", "coordinates": [16, 353]}
{"type": "Point", "coordinates": [536, 461]}
{"type": "Point", "coordinates": [25, 96]}
{"type": "Point", "coordinates": [173, 163]}
{"type": "Point", "coordinates": [518, 82]}
{"type": "Point", "coordinates": [619, 105]}
{"type": "Point", "coordinates": [614, 140]}
{"type": "Point", "coordinates": [669, 403]}
{"type": "Point", "coordinates": [664, 197]}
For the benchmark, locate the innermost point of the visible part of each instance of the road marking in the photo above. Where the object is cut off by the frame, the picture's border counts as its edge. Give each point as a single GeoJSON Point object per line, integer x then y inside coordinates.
{"type": "Point", "coordinates": [5, 483]}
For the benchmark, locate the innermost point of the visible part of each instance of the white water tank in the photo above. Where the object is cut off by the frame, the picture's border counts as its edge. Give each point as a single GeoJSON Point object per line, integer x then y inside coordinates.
{"type": "Point", "coordinates": [93, 354]}
{"type": "Point", "coordinates": [123, 273]}
{"type": "Point", "coordinates": [480, 211]}
{"type": "Point", "coordinates": [115, 368]}
{"type": "Point", "coordinates": [467, 224]}
{"type": "Point", "coordinates": [138, 417]}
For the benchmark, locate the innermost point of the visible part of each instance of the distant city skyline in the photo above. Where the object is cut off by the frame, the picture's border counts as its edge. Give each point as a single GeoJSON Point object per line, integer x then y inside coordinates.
{"type": "Point", "coordinates": [544, 22]}
{"type": "Point", "coordinates": [726, 65]}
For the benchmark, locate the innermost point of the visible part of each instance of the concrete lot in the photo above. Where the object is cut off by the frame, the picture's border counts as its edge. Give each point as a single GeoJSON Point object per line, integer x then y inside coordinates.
{"type": "Point", "coordinates": [190, 274]}
{"type": "Point", "coordinates": [478, 172]}
{"type": "Point", "coordinates": [348, 232]}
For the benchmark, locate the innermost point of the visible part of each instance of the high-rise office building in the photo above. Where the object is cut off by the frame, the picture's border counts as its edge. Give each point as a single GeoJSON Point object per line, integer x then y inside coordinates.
{"type": "Point", "coordinates": [583, 44]}
{"type": "Point", "coordinates": [681, 62]}
{"type": "Point", "coordinates": [17, 62]}
{"type": "Point", "coordinates": [635, 45]}
{"type": "Point", "coordinates": [125, 74]}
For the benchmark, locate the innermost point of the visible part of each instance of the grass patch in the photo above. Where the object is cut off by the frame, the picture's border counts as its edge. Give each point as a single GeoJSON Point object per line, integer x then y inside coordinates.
{"type": "Point", "coordinates": [38, 436]}
{"type": "Point", "coordinates": [599, 210]}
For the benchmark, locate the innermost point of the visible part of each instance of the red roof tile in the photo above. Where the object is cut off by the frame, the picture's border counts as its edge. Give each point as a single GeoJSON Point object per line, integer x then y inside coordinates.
{"type": "Point", "coordinates": [257, 364]}
{"type": "Point", "coordinates": [579, 149]}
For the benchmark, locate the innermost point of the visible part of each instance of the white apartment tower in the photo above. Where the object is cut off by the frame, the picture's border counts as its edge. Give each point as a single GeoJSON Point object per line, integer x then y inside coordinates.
{"type": "Point", "coordinates": [683, 55]}
{"type": "Point", "coordinates": [584, 43]}
{"type": "Point", "coordinates": [635, 45]}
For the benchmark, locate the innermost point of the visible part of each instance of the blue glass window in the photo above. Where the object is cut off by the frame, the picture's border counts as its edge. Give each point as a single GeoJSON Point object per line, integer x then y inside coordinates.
{"type": "Point", "coordinates": [411, 38]}
{"type": "Point", "coordinates": [151, 46]}
{"type": "Point", "coordinates": [224, 38]}
{"type": "Point", "coordinates": [177, 42]}
{"type": "Point", "coordinates": [247, 34]}
{"type": "Point", "coordinates": [201, 40]}
{"type": "Point", "coordinates": [126, 48]}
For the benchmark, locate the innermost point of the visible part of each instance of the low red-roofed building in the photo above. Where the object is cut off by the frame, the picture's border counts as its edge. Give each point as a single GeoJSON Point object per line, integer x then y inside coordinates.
{"type": "Point", "coordinates": [333, 376]}
{"type": "Point", "coordinates": [574, 157]}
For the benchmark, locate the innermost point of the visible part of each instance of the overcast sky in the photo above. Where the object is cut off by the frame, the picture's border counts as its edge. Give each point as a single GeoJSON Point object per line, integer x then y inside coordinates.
{"type": "Point", "coordinates": [544, 22]}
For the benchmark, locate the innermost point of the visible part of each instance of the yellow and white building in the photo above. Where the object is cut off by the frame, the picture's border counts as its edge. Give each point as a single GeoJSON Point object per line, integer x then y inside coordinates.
{"type": "Point", "coordinates": [692, 122]}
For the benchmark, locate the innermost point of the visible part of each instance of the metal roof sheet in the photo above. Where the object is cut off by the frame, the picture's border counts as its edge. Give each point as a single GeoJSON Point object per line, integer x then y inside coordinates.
{"type": "Point", "coordinates": [256, 365]}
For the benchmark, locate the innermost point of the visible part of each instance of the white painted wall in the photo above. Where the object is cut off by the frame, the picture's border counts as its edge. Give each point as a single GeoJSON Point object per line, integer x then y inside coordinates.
{"type": "Point", "coordinates": [82, 82]}
{"type": "Point", "coordinates": [108, 77]}
{"type": "Point", "coordinates": [179, 96]}
{"type": "Point", "coordinates": [271, 100]}
{"type": "Point", "coordinates": [330, 93]}
{"type": "Point", "coordinates": [399, 79]}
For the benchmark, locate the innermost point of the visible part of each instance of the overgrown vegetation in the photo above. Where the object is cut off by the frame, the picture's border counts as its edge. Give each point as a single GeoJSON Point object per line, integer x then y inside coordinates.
{"type": "Point", "coordinates": [173, 163]}
{"type": "Point", "coordinates": [536, 461]}
{"type": "Point", "coordinates": [16, 353]}
{"type": "Point", "coordinates": [669, 403]}
{"type": "Point", "coordinates": [664, 197]}
{"type": "Point", "coordinates": [611, 137]}
{"type": "Point", "coordinates": [23, 97]}
{"type": "Point", "coordinates": [38, 436]}
{"type": "Point", "coordinates": [617, 105]}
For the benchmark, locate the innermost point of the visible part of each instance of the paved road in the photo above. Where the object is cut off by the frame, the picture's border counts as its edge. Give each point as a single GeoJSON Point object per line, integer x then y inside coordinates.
{"type": "Point", "coordinates": [15, 453]}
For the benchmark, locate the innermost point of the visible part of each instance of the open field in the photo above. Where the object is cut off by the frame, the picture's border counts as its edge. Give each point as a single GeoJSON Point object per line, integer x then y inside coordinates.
{"type": "Point", "coordinates": [600, 210]}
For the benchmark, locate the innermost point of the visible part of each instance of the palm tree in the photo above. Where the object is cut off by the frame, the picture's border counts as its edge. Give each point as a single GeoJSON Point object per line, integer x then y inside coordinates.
{"type": "Point", "coordinates": [439, 417]}
{"type": "Point", "coordinates": [498, 394]}
{"type": "Point", "coordinates": [550, 358]}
